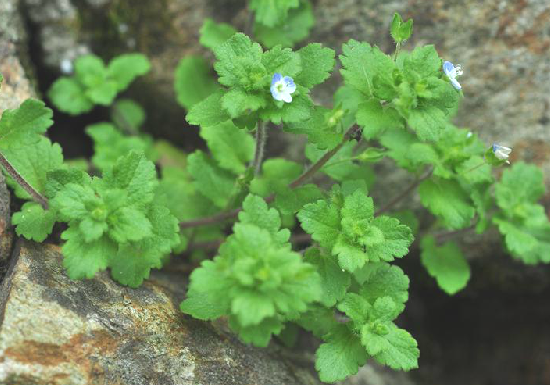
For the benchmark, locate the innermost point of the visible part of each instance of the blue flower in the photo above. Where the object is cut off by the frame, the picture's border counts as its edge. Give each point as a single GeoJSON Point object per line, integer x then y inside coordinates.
{"type": "Point", "coordinates": [452, 72]}
{"type": "Point", "coordinates": [282, 87]}
{"type": "Point", "coordinates": [501, 152]}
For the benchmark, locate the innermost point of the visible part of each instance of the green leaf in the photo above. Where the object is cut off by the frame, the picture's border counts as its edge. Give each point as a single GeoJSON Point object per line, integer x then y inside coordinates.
{"type": "Point", "coordinates": [256, 212]}
{"type": "Point", "coordinates": [334, 282]}
{"type": "Point", "coordinates": [423, 62]}
{"type": "Point", "coordinates": [277, 173]}
{"type": "Point", "coordinates": [129, 224]}
{"type": "Point", "coordinates": [446, 264]}
{"type": "Point", "coordinates": [298, 110]}
{"type": "Point", "coordinates": [128, 115]}
{"type": "Point", "coordinates": [124, 69]}
{"type": "Point", "coordinates": [475, 170]}
{"type": "Point", "coordinates": [341, 356]}
{"type": "Point", "coordinates": [445, 198]}
{"type": "Point", "coordinates": [295, 28]}
{"type": "Point", "coordinates": [24, 125]}
{"type": "Point", "coordinates": [401, 350]}
{"type": "Point", "coordinates": [33, 222]}
{"type": "Point", "coordinates": [318, 129]}
{"type": "Point", "coordinates": [33, 163]}
{"type": "Point", "coordinates": [213, 34]}
{"type": "Point", "coordinates": [208, 112]}
{"type": "Point", "coordinates": [427, 122]}
{"type": "Point", "coordinates": [134, 174]}
{"type": "Point", "coordinates": [523, 183]}
{"type": "Point", "coordinates": [400, 31]}
{"type": "Point", "coordinates": [69, 96]}
{"type": "Point", "coordinates": [380, 279]}
{"type": "Point", "coordinates": [193, 81]}
{"type": "Point", "coordinates": [317, 63]}
{"type": "Point", "coordinates": [272, 12]}
{"type": "Point", "coordinates": [239, 59]}
{"type": "Point", "coordinates": [375, 119]}
{"type": "Point", "coordinates": [289, 201]}
{"type": "Point", "coordinates": [237, 101]}
{"type": "Point", "coordinates": [82, 259]}
{"type": "Point", "coordinates": [231, 147]}
{"type": "Point", "coordinates": [110, 144]}
{"type": "Point", "coordinates": [212, 181]}
{"type": "Point", "coordinates": [362, 63]}
{"type": "Point", "coordinates": [258, 335]}
{"type": "Point", "coordinates": [322, 221]}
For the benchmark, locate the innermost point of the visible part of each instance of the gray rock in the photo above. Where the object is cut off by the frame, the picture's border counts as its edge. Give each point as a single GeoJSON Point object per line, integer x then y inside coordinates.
{"type": "Point", "coordinates": [56, 331]}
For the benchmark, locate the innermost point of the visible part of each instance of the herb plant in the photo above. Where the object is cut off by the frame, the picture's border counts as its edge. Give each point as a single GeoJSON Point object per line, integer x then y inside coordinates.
{"type": "Point", "coordinates": [344, 287]}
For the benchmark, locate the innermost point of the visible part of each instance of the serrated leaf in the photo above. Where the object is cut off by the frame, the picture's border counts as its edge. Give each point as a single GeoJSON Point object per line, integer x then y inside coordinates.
{"type": "Point", "coordinates": [33, 163]}
{"type": "Point", "coordinates": [318, 130]}
{"type": "Point", "coordinates": [523, 183]}
{"type": "Point", "coordinates": [256, 212]}
{"type": "Point", "coordinates": [445, 198]}
{"type": "Point", "coordinates": [374, 119]}
{"type": "Point", "coordinates": [238, 59]}
{"type": "Point", "coordinates": [276, 174]}
{"type": "Point", "coordinates": [208, 112]}
{"type": "Point", "coordinates": [446, 264]}
{"type": "Point", "coordinates": [193, 81]}
{"type": "Point", "coordinates": [423, 61]}
{"type": "Point", "coordinates": [322, 221]}
{"type": "Point", "coordinates": [212, 181]}
{"type": "Point", "coordinates": [23, 126]}
{"type": "Point", "coordinates": [213, 34]}
{"type": "Point", "coordinates": [317, 62]}
{"type": "Point", "coordinates": [334, 282]}
{"type": "Point", "coordinates": [231, 147]}
{"type": "Point", "coordinates": [428, 122]}
{"type": "Point", "coordinates": [298, 110]}
{"type": "Point", "coordinates": [289, 201]}
{"type": "Point", "coordinates": [33, 222]}
{"type": "Point", "coordinates": [341, 356]}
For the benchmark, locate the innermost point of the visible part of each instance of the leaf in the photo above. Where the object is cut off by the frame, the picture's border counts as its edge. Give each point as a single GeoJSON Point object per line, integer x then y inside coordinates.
{"type": "Point", "coordinates": [134, 174]}
{"type": "Point", "coordinates": [428, 122]}
{"type": "Point", "coordinates": [341, 356]}
{"type": "Point", "coordinates": [362, 63]}
{"type": "Point", "coordinates": [69, 96]}
{"type": "Point", "coordinates": [400, 31]}
{"type": "Point", "coordinates": [110, 144]}
{"type": "Point", "coordinates": [446, 264]}
{"type": "Point", "coordinates": [401, 352]}
{"type": "Point", "coordinates": [24, 125]}
{"type": "Point", "coordinates": [374, 119]}
{"type": "Point", "coordinates": [295, 28]}
{"type": "Point", "coordinates": [298, 110]}
{"type": "Point", "coordinates": [445, 198]}
{"type": "Point", "coordinates": [318, 129]}
{"type": "Point", "coordinates": [317, 62]}
{"type": "Point", "coordinates": [289, 201]}
{"type": "Point", "coordinates": [256, 212]}
{"type": "Point", "coordinates": [523, 183]}
{"type": "Point", "coordinates": [272, 12]}
{"type": "Point", "coordinates": [33, 163]}
{"type": "Point", "coordinates": [231, 147]}
{"type": "Point", "coordinates": [208, 112]}
{"type": "Point", "coordinates": [128, 115]}
{"type": "Point", "coordinates": [123, 69]}
{"type": "Point", "coordinates": [213, 182]}
{"type": "Point", "coordinates": [423, 62]}
{"type": "Point", "coordinates": [33, 222]}
{"type": "Point", "coordinates": [213, 34]}
{"type": "Point", "coordinates": [237, 102]}
{"type": "Point", "coordinates": [193, 81]}
{"type": "Point", "coordinates": [83, 260]}
{"type": "Point", "coordinates": [334, 282]}
{"type": "Point", "coordinates": [277, 173]}
{"type": "Point", "coordinates": [322, 221]}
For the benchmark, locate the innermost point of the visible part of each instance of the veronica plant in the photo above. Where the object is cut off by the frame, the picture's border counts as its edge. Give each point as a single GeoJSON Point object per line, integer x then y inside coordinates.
{"type": "Point", "coordinates": [308, 244]}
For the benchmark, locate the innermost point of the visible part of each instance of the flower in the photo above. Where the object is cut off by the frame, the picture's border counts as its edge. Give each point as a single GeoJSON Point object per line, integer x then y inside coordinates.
{"type": "Point", "coordinates": [452, 72]}
{"type": "Point", "coordinates": [501, 152]}
{"type": "Point", "coordinates": [282, 87]}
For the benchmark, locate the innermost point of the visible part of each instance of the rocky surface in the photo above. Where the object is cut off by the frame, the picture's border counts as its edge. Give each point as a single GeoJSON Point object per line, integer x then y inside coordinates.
{"type": "Point", "coordinates": [56, 331]}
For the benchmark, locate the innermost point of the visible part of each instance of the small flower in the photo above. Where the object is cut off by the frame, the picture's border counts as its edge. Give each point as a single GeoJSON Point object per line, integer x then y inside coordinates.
{"type": "Point", "coordinates": [66, 66]}
{"type": "Point", "coordinates": [502, 152]}
{"type": "Point", "coordinates": [282, 87]}
{"type": "Point", "coordinates": [452, 72]}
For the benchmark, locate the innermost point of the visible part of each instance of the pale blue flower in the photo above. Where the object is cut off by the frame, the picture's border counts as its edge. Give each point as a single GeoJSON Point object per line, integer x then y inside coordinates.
{"type": "Point", "coordinates": [452, 72]}
{"type": "Point", "coordinates": [502, 152]}
{"type": "Point", "coordinates": [282, 87]}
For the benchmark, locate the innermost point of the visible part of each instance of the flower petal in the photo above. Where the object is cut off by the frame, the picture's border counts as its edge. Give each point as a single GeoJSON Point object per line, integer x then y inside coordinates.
{"type": "Point", "coordinates": [448, 67]}
{"type": "Point", "coordinates": [287, 97]}
{"type": "Point", "coordinates": [277, 77]}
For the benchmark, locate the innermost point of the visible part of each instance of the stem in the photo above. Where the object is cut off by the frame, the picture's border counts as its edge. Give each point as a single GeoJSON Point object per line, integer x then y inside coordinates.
{"type": "Point", "coordinates": [261, 138]}
{"type": "Point", "coordinates": [444, 235]}
{"type": "Point", "coordinates": [473, 168]}
{"type": "Point", "coordinates": [397, 49]}
{"type": "Point", "coordinates": [23, 183]}
{"type": "Point", "coordinates": [403, 195]}
{"type": "Point", "coordinates": [220, 217]}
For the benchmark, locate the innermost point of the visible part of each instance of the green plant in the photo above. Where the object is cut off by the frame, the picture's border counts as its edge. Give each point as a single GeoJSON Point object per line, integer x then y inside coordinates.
{"type": "Point", "coordinates": [343, 287]}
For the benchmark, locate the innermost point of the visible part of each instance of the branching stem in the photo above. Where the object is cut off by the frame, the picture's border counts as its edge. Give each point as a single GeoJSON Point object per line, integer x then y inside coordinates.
{"type": "Point", "coordinates": [220, 217]}
{"type": "Point", "coordinates": [39, 198]}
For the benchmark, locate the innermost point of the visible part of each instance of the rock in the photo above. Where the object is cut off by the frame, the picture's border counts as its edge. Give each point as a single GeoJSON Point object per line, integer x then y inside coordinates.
{"type": "Point", "coordinates": [56, 331]}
